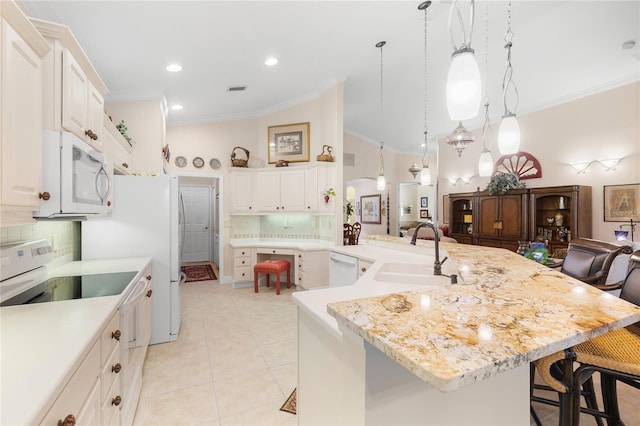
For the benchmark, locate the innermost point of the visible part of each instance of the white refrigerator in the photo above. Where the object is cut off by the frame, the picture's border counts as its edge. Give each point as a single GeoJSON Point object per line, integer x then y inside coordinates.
{"type": "Point", "coordinates": [146, 220]}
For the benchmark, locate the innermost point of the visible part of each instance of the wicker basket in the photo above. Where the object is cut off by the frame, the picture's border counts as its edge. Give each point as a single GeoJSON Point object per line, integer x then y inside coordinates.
{"type": "Point", "coordinates": [325, 156]}
{"type": "Point", "coordinates": [237, 162]}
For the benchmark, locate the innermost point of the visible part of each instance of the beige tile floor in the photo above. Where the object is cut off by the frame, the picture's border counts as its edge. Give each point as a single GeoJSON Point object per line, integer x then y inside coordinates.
{"type": "Point", "coordinates": [235, 362]}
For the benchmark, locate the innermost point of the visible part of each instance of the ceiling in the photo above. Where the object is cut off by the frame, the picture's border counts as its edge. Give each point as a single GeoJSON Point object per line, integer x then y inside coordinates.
{"type": "Point", "coordinates": [561, 50]}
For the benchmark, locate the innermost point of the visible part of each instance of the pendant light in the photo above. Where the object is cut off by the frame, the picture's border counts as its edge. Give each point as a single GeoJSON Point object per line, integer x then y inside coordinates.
{"type": "Point", "coordinates": [463, 82]}
{"type": "Point", "coordinates": [509, 131]}
{"type": "Point", "coordinates": [381, 183]}
{"type": "Point", "coordinates": [460, 138]}
{"type": "Point", "coordinates": [425, 173]}
{"type": "Point", "coordinates": [485, 162]}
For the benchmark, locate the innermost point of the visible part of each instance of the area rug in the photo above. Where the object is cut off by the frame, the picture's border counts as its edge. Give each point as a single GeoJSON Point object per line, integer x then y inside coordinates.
{"type": "Point", "coordinates": [290, 404]}
{"type": "Point", "coordinates": [198, 272]}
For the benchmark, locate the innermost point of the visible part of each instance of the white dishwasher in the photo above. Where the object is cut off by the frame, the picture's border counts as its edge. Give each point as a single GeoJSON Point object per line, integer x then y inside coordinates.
{"type": "Point", "coordinates": [343, 269]}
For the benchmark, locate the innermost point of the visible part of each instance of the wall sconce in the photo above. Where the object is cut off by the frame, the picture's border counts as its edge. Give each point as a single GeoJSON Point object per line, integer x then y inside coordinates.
{"type": "Point", "coordinates": [581, 167]}
{"type": "Point", "coordinates": [610, 164]}
{"type": "Point", "coordinates": [453, 181]}
{"type": "Point", "coordinates": [466, 180]}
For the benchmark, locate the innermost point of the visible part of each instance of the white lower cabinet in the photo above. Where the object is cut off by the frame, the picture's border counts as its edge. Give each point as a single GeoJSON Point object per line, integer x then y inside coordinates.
{"type": "Point", "coordinates": [312, 269]}
{"type": "Point", "coordinates": [91, 395]}
{"type": "Point", "coordinates": [242, 270]}
{"type": "Point", "coordinates": [80, 395]}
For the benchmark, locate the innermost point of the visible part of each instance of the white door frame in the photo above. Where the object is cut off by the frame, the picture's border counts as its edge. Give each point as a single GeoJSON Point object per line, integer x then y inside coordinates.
{"type": "Point", "coordinates": [220, 202]}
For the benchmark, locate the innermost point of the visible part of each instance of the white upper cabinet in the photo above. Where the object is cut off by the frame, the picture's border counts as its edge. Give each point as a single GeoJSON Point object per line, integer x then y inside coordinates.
{"type": "Point", "coordinates": [73, 90]}
{"type": "Point", "coordinates": [22, 49]}
{"type": "Point", "coordinates": [241, 196]}
{"type": "Point", "coordinates": [281, 191]}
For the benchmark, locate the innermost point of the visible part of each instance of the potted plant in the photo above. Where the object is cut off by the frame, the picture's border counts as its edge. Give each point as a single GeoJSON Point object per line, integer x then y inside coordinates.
{"type": "Point", "coordinates": [348, 209]}
{"type": "Point", "coordinates": [502, 182]}
{"type": "Point", "coordinates": [328, 193]}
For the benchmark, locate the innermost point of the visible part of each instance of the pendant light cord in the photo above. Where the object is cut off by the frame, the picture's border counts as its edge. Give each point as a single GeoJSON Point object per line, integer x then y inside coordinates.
{"type": "Point", "coordinates": [507, 81]}
{"type": "Point", "coordinates": [425, 5]}
{"type": "Point", "coordinates": [381, 45]}
{"type": "Point", "coordinates": [486, 128]}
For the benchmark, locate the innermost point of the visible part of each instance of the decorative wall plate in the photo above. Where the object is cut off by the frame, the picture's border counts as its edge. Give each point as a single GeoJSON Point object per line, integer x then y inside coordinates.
{"type": "Point", "coordinates": [521, 164]}
{"type": "Point", "coordinates": [198, 162]}
{"type": "Point", "coordinates": [214, 163]}
{"type": "Point", "coordinates": [181, 161]}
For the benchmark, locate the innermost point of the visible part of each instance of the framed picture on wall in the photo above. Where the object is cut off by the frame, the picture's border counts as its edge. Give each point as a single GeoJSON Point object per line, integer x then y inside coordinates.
{"type": "Point", "coordinates": [370, 209]}
{"type": "Point", "coordinates": [424, 214]}
{"type": "Point", "coordinates": [405, 210]}
{"type": "Point", "coordinates": [424, 202]}
{"type": "Point", "coordinates": [445, 209]}
{"type": "Point", "coordinates": [288, 142]}
{"type": "Point", "coordinates": [622, 202]}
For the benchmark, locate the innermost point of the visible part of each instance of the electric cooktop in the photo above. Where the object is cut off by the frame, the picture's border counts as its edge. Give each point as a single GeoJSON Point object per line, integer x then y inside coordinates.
{"type": "Point", "coordinates": [73, 287]}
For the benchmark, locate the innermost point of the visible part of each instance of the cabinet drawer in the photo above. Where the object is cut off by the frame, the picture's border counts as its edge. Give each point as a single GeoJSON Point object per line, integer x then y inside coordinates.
{"type": "Point", "coordinates": [109, 337]}
{"type": "Point", "coordinates": [363, 266]}
{"type": "Point", "coordinates": [111, 371]}
{"type": "Point", "coordinates": [76, 397]}
{"type": "Point", "coordinates": [109, 407]}
{"type": "Point", "coordinates": [239, 262]}
{"type": "Point", "coordinates": [241, 252]}
{"type": "Point", "coordinates": [291, 252]}
{"type": "Point", "coordinates": [242, 273]}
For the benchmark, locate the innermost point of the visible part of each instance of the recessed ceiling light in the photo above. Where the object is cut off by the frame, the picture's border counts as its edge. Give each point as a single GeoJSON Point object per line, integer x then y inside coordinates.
{"type": "Point", "coordinates": [629, 44]}
{"type": "Point", "coordinates": [271, 61]}
{"type": "Point", "coordinates": [176, 107]}
{"type": "Point", "coordinates": [174, 68]}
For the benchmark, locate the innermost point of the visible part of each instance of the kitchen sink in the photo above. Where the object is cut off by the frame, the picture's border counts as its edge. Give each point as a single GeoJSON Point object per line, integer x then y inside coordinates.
{"type": "Point", "coordinates": [409, 273]}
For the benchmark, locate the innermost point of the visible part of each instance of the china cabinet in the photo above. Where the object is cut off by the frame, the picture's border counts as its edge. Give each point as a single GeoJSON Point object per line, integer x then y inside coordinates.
{"type": "Point", "coordinates": [560, 213]}
{"type": "Point", "coordinates": [550, 214]}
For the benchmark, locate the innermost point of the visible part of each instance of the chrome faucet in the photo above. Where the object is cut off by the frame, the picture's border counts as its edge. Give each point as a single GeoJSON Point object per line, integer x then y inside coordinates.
{"type": "Point", "coordinates": [437, 265]}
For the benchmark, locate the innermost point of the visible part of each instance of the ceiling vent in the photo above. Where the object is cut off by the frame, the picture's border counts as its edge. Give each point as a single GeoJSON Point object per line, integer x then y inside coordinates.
{"type": "Point", "coordinates": [236, 89]}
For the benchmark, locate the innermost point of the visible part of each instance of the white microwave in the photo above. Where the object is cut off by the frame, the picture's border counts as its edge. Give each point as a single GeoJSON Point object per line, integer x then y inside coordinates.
{"type": "Point", "coordinates": [75, 181]}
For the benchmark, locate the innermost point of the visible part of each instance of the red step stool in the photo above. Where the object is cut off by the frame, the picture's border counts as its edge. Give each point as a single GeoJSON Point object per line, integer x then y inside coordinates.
{"type": "Point", "coordinates": [271, 267]}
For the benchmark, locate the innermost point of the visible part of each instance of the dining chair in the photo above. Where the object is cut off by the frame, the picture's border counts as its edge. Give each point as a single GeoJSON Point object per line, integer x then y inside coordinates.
{"type": "Point", "coordinates": [347, 234]}
{"type": "Point", "coordinates": [615, 355]}
{"type": "Point", "coordinates": [357, 227]}
{"type": "Point", "coordinates": [590, 260]}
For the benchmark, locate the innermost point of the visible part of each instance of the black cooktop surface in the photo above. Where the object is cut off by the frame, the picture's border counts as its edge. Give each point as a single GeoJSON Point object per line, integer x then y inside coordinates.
{"type": "Point", "coordinates": [74, 287]}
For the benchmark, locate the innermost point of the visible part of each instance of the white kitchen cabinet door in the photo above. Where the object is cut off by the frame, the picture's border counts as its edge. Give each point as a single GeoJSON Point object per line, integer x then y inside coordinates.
{"type": "Point", "coordinates": [74, 95]}
{"type": "Point", "coordinates": [311, 194]}
{"type": "Point", "coordinates": [108, 149]}
{"type": "Point", "coordinates": [94, 133]}
{"type": "Point", "coordinates": [281, 191]}
{"type": "Point", "coordinates": [241, 200]}
{"type": "Point", "coordinates": [21, 122]}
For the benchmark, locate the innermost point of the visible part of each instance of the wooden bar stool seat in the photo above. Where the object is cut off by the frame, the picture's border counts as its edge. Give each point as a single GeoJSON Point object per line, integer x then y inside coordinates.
{"type": "Point", "coordinates": [272, 267]}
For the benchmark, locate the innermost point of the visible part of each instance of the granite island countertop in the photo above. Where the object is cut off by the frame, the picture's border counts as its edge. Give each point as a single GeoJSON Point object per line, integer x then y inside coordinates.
{"type": "Point", "coordinates": [508, 311]}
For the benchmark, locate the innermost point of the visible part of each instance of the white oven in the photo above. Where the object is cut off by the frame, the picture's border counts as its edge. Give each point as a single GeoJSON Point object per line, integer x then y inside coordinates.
{"type": "Point", "coordinates": [75, 181]}
{"type": "Point", "coordinates": [135, 324]}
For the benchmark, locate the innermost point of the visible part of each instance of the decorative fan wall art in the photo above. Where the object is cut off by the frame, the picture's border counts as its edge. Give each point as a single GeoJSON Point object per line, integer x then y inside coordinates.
{"type": "Point", "coordinates": [521, 164]}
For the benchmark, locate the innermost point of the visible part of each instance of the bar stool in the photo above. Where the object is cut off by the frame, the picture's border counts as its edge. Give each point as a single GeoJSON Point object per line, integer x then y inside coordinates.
{"type": "Point", "coordinates": [272, 267]}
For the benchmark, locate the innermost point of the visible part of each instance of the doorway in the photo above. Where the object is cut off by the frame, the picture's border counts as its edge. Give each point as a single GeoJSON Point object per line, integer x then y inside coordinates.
{"type": "Point", "coordinates": [197, 223]}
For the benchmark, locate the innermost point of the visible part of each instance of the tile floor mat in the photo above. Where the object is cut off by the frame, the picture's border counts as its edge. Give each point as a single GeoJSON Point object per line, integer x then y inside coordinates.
{"type": "Point", "coordinates": [198, 272]}
{"type": "Point", "coordinates": [290, 404]}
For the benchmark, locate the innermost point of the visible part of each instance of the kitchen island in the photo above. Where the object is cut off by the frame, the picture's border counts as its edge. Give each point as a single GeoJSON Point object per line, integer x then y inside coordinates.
{"type": "Point", "coordinates": [416, 353]}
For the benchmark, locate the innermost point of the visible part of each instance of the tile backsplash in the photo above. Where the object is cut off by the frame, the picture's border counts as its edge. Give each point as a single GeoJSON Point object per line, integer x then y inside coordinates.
{"type": "Point", "coordinates": [283, 226]}
{"type": "Point", "coordinates": [64, 236]}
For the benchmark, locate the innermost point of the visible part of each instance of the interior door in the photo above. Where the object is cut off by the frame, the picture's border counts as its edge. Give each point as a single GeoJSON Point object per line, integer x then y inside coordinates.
{"type": "Point", "coordinates": [197, 223]}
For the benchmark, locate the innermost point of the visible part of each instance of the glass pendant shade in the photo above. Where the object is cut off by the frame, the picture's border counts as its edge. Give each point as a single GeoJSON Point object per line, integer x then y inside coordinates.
{"type": "Point", "coordinates": [509, 135]}
{"type": "Point", "coordinates": [464, 87]}
{"type": "Point", "coordinates": [485, 163]}
{"type": "Point", "coordinates": [382, 183]}
{"type": "Point", "coordinates": [425, 176]}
